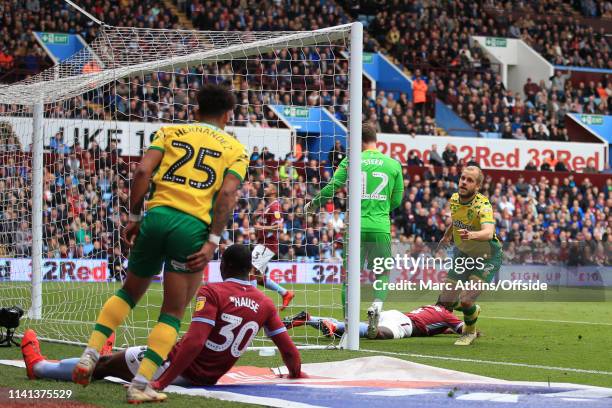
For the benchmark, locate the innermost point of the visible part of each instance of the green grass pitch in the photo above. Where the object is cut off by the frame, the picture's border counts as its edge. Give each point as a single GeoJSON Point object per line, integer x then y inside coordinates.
{"type": "Point", "coordinates": [542, 341]}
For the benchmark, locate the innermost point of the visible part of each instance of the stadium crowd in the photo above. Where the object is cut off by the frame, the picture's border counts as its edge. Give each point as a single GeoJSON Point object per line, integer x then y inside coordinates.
{"type": "Point", "coordinates": [86, 200]}
{"type": "Point", "coordinates": [457, 72]}
{"type": "Point", "coordinates": [443, 62]}
{"type": "Point", "coordinates": [21, 18]}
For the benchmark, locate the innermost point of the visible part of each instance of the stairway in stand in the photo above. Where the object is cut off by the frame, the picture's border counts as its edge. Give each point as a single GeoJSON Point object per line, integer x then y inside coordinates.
{"type": "Point", "coordinates": [184, 22]}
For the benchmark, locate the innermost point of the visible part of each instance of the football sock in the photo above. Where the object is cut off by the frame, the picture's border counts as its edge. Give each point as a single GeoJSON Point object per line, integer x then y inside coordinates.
{"type": "Point", "coordinates": [161, 339]}
{"type": "Point", "coordinates": [113, 313]}
{"type": "Point", "coordinates": [470, 317]}
{"type": "Point", "coordinates": [60, 370]}
{"type": "Point", "coordinates": [270, 284]}
{"type": "Point", "coordinates": [341, 327]}
{"type": "Point", "coordinates": [381, 294]}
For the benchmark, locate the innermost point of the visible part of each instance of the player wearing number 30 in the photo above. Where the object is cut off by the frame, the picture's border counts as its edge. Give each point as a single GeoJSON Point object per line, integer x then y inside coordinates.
{"type": "Point", "coordinates": [383, 188]}
{"type": "Point", "coordinates": [227, 315]}
{"type": "Point", "coordinates": [197, 170]}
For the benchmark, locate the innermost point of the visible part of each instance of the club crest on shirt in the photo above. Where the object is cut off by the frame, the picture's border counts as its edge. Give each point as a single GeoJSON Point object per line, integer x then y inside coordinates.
{"type": "Point", "coordinates": [200, 302]}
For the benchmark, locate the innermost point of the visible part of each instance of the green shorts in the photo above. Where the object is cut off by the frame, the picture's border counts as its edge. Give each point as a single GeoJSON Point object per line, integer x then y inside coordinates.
{"type": "Point", "coordinates": [373, 245]}
{"type": "Point", "coordinates": [166, 238]}
{"type": "Point", "coordinates": [466, 266]}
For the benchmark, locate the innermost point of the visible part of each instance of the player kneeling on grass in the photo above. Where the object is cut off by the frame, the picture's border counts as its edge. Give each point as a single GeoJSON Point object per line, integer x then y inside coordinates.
{"type": "Point", "coordinates": [391, 324]}
{"type": "Point", "coordinates": [477, 253]}
{"type": "Point", "coordinates": [226, 318]}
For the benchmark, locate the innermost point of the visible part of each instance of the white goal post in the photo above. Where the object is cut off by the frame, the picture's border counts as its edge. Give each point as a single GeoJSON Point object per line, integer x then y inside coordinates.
{"type": "Point", "coordinates": [70, 136]}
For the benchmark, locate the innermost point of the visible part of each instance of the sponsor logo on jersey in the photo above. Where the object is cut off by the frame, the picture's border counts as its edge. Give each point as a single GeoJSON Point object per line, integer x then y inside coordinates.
{"type": "Point", "coordinates": [243, 301]}
{"type": "Point", "coordinates": [460, 225]}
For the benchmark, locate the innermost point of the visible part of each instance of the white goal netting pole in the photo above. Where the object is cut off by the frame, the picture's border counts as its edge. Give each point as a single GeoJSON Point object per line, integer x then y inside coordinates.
{"type": "Point", "coordinates": [35, 311]}
{"type": "Point", "coordinates": [353, 266]}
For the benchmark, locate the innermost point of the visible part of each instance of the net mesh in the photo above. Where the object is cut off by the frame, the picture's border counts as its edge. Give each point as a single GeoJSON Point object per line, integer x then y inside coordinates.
{"type": "Point", "coordinates": [101, 109]}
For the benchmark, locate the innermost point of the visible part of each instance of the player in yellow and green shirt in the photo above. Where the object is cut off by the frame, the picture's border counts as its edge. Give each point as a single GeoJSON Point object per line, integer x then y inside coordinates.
{"type": "Point", "coordinates": [477, 252]}
{"type": "Point", "coordinates": [195, 171]}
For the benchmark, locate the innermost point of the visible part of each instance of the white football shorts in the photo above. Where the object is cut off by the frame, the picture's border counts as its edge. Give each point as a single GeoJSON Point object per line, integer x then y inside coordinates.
{"type": "Point", "coordinates": [260, 257]}
{"type": "Point", "coordinates": [399, 324]}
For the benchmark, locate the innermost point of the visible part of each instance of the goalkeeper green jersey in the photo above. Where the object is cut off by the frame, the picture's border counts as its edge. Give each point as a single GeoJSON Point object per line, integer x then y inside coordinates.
{"type": "Point", "coordinates": [382, 189]}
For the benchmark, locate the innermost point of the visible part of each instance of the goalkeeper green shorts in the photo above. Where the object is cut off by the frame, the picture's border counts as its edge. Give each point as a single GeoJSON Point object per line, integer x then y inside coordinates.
{"type": "Point", "coordinates": [166, 238]}
{"type": "Point", "coordinates": [373, 245]}
{"type": "Point", "coordinates": [465, 266]}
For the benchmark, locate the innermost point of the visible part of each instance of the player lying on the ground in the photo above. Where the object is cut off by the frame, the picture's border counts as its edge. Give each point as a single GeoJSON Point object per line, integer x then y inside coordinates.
{"type": "Point", "coordinates": [226, 318]}
{"type": "Point", "coordinates": [425, 321]}
{"type": "Point", "coordinates": [268, 227]}
{"type": "Point", "coordinates": [476, 244]}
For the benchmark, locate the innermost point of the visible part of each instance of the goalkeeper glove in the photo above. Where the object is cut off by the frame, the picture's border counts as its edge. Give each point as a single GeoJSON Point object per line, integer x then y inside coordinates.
{"type": "Point", "coordinates": [309, 208]}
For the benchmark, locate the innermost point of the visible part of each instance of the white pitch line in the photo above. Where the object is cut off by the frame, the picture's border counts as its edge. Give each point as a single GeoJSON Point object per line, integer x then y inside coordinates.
{"type": "Point", "coordinates": [548, 321]}
{"type": "Point", "coordinates": [503, 363]}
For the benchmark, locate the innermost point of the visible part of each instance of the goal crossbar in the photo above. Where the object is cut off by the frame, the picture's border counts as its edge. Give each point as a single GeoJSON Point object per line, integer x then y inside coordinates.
{"type": "Point", "coordinates": [47, 87]}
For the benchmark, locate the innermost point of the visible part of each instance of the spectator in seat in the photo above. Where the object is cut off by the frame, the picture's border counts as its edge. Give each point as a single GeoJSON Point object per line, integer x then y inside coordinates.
{"type": "Point", "coordinates": [287, 172]}
{"type": "Point", "coordinates": [266, 155]}
{"type": "Point", "coordinates": [549, 163]}
{"type": "Point", "coordinates": [449, 155]}
{"type": "Point", "coordinates": [521, 187]}
{"type": "Point", "coordinates": [414, 159]}
{"type": "Point", "coordinates": [531, 166]}
{"type": "Point", "coordinates": [255, 154]}
{"type": "Point", "coordinates": [590, 167]}
{"type": "Point", "coordinates": [561, 165]}
{"type": "Point", "coordinates": [434, 157]}
{"type": "Point", "coordinates": [531, 89]}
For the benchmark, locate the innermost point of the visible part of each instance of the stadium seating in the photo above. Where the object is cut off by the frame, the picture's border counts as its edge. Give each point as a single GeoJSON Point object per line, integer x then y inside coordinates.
{"type": "Point", "coordinates": [460, 75]}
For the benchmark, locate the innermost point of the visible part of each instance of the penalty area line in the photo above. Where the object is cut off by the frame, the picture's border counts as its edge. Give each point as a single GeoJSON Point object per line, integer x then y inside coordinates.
{"type": "Point", "coordinates": [491, 362]}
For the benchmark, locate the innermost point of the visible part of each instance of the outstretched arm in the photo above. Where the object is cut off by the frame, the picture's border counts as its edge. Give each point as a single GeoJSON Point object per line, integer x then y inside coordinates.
{"type": "Point", "coordinates": [337, 181]}
{"type": "Point", "coordinates": [275, 329]}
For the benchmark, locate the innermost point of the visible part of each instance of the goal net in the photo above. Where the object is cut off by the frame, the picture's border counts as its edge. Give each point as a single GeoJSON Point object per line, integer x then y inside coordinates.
{"type": "Point", "coordinates": [72, 136]}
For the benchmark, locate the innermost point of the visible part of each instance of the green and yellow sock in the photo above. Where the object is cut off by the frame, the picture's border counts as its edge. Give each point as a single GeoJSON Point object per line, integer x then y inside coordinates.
{"type": "Point", "coordinates": [470, 316]}
{"type": "Point", "coordinates": [113, 313]}
{"type": "Point", "coordinates": [161, 340]}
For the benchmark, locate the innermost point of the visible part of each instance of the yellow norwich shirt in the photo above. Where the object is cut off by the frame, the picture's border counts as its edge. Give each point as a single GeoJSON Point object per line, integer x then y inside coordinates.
{"type": "Point", "coordinates": [472, 216]}
{"type": "Point", "coordinates": [196, 159]}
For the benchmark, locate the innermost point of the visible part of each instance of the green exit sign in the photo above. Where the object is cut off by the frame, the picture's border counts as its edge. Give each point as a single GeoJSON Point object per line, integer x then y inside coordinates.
{"type": "Point", "coordinates": [54, 38]}
{"type": "Point", "coordinates": [592, 119]}
{"type": "Point", "coordinates": [496, 42]}
{"type": "Point", "coordinates": [295, 112]}
{"type": "Point", "coordinates": [368, 57]}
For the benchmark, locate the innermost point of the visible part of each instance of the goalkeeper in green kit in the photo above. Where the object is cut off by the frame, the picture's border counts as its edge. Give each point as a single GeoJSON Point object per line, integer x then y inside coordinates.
{"type": "Point", "coordinates": [382, 191]}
